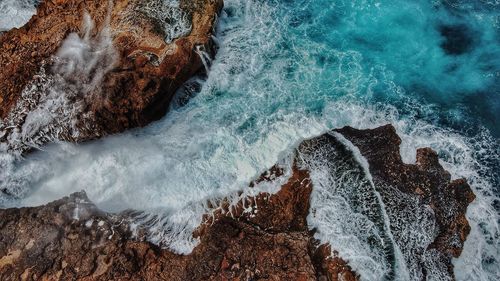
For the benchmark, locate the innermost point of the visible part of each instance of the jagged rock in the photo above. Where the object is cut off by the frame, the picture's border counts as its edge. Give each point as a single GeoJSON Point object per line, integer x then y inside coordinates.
{"type": "Point", "coordinates": [265, 237]}
{"type": "Point", "coordinates": [70, 239]}
{"type": "Point", "coordinates": [288, 250]}
{"type": "Point", "coordinates": [79, 69]}
{"type": "Point", "coordinates": [427, 180]}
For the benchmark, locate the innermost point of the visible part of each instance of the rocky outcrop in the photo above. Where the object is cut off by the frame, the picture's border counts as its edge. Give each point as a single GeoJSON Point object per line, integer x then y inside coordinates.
{"type": "Point", "coordinates": [427, 181]}
{"type": "Point", "coordinates": [71, 239]}
{"type": "Point", "coordinates": [266, 237]}
{"type": "Point", "coordinates": [80, 69]}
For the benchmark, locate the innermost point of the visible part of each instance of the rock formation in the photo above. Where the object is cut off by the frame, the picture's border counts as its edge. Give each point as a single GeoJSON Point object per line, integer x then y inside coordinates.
{"type": "Point", "coordinates": [428, 182]}
{"type": "Point", "coordinates": [71, 239]}
{"type": "Point", "coordinates": [82, 69]}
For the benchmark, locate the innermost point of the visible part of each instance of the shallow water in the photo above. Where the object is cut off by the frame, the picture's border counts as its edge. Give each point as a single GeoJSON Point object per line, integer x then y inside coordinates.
{"type": "Point", "coordinates": [288, 70]}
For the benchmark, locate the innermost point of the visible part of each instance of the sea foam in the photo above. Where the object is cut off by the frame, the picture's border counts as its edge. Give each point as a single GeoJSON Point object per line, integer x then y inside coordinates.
{"type": "Point", "coordinates": [53, 102]}
{"type": "Point", "coordinates": [15, 13]}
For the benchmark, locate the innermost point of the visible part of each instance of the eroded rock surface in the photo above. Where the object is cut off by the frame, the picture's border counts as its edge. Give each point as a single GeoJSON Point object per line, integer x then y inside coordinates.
{"type": "Point", "coordinates": [265, 237]}
{"type": "Point", "coordinates": [427, 178]}
{"type": "Point", "coordinates": [80, 69]}
{"type": "Point", "coordinates": [71, 239]}
{"type": "Point", "coordinates": [406, 188]}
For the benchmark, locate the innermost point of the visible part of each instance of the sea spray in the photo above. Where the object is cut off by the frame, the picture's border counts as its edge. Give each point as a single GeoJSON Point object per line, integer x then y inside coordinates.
{"type": "Point", "coordinates": [51, 104]}
{"type": "Point", "coordinates": [346, 210]}
{"type": "Point", "coordinates": [15, 13]}
{"type": "Point", "coordinates": [168, 16]}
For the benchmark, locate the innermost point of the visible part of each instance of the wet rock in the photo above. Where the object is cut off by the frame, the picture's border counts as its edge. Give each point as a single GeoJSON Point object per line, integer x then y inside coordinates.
{"type": "Point", "coordinates": [70, 239]}
{"type": "Point", "coordinates": [79, 70]}
{"type": "Point", "coordinates": [265, 237]}
{"type": "Point", "coordinates": [426, 181]}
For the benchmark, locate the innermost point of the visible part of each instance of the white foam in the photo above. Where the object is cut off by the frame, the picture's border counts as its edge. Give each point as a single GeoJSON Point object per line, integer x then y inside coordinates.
{"type": "Point", "coordinates": [462, 156]}
{"type": "Point", "coordinates": [54, 101]}
{"type": "Point", "coordinates": [352, 226]}
{"type": "Point", "coordinates": [465, 157]}
{"type": "Point", "coordinates": [168, 14]}
{"type": "Point", "coordinates": [15, 13]}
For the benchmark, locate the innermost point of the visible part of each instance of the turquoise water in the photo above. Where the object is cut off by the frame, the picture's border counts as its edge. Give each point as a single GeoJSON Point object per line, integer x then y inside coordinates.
{"type": "Point", "coordinates": [291, 70]}
{"type": "Point", "coordinates": [430, 52]}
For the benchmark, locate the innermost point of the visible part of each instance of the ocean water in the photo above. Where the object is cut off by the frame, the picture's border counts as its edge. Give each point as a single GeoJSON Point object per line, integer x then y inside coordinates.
{"type": "Point", "coordinates": [286, 71]}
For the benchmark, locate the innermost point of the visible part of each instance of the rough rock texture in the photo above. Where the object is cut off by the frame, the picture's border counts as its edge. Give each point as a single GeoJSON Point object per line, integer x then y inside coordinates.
{"type": "Point", "coordinates": [71, 239]}
{"type": "Point", "coordinates": [427, 179]}
{"type": "Point", "coordinates": [92, 68]}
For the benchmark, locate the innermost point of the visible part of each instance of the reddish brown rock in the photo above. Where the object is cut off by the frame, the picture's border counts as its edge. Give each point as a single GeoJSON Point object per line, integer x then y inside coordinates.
{"type": "Point", "coordinates": [125, 75]}
{"type": "Point", "coordinates": [265, 237]}
{"type": "Point", "coordinates": [284, 211]}
{"type": "Point", "coordinates": [50, 243]}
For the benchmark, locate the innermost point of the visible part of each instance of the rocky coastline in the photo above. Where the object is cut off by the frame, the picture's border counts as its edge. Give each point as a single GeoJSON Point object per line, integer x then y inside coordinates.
{"type": "Point", "coordinates": [71, 239]}
{"type": "Point", "coordinates": [80, 70]}
{"type": "Point", "coordinates": [83, 69]}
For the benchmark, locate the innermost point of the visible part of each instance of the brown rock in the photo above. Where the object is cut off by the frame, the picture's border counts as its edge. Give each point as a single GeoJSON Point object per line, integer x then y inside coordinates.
{"type": "Point", "coordinates": [265, 237]}
{"type": "Point", "coordinates": [125, 76]}
{"type": "Point", "coordinates": [98, 246]}
{"type": "Point", "coordinates": [427, 179]}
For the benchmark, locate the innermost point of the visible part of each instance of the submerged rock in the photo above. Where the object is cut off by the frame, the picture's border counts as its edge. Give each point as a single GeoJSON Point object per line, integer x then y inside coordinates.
{"type": "Point", "coordinates": [79, 70]}
{"type": "Point", "coordinates": [266, 237]}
